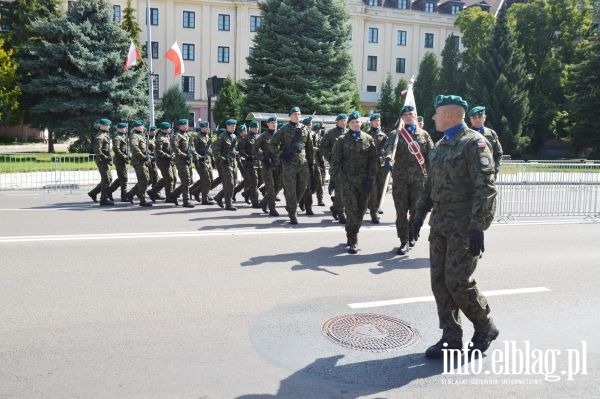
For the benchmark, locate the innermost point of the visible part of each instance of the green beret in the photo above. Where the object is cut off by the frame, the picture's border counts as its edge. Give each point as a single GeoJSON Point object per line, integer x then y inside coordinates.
{"type": "Point", "coordinates": [182, 122]}
{"type": "Point", "coordinates": [420, 118]}
{"type": "Point", "coordinates": [341, 117]}
{"type": "Point", "coordinates": [478, 110]}
{"type": "Point", "coordinates": [294, 109]}
{"type": "Point", "coordinates": [279, 125]}
{"type": "Point", "coordinates": [137, 123]}
{"type": "Point", "coordinates": [231, 122]}
{"type": "Point", "coordinates": [203, 124]}
{"type": "Point", "coordinates": [121, 125]}
{"type": "Point", "coordinates": [353, 115]}
{"type": "Point", "coordinates": [406, 108]}
{"type": "Point", "coordinates": [272, 119]}
{"type": "Point", "coordinates": [253, 123]}
{"type": "Point", "coordinates": [307, 121]}
{"type": "Point", "coordinates": [450, 100]}
{"type": "Point", "coordinates": [221, 130]}
{"type": "Point", "coordinates": [105, 122]}
{"type": "Point", "coordinates": [165, 125]}
{"type": "Point", "coordinates": [241, 127]}
{"type": "Point", "coordinates": [374, 116]}
{"type": "Point", "coordinates": [152, 128]}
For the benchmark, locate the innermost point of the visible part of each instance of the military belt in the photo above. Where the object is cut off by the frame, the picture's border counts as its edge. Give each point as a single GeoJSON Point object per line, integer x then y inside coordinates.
{"type": "Point", "coordinates": [451, 206]}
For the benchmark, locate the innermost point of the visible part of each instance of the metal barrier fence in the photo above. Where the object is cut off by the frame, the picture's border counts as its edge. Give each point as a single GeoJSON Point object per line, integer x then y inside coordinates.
{"type": "Point", "coordinates": [524, 188]}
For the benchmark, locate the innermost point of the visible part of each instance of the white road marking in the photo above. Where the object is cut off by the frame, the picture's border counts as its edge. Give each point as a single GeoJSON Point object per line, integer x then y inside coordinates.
{"type": "Point", "coordinates": [402, 301]}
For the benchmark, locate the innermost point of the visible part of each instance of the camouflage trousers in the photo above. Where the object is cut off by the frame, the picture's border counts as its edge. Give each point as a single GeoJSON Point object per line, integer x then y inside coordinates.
{"type": "Point", "coordinates": [377, 191]}
{"type": "Point", "coordinates": [338, 199]}
{"type": "Point", "coordinates": [405, 194]}
{"type": "Point", "coordinates": [294, 178]}
{"type": "Point", "coordinates": [272, 178]}
{"type": "Point", "coordinates": [167, 181]}
{"type": "Point", "coordinates": [105, 177]}
{"type": "Point", "coordinates": [143, 178]}
{"type": "Point", "coordinates": [153, 172]}
{"type": "Point", "coordinates": [452, 283]}
{"type": "Point", "coordinates": [121, 180]}
{"type": "Point", "coordinates": [228, 175]}
{"type": "Point", "coordinates": [355, 201]}
{"type": "Point", "coordinates": [183, 169]}
{"type": "Point", "coordinates": [202, 186]}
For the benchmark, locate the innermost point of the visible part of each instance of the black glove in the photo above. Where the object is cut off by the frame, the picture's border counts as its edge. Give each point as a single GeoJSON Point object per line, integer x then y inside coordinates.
{"type": "Point", "coordinates": [145, 159]}
{"type": "Point", "coordinates": [368, 185]}
{"type": "Point", "coordinates": [387, 167]}
{"type": "Point", "coordinates": [417, 226]}
{"type": "Point", "coordinates": [476, 246]}
{"type": "Point", "coordinates": [331, 186]}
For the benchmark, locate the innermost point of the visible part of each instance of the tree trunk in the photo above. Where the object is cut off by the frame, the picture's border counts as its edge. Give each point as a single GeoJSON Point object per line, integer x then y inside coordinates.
{"type": "Point", "coordinates": [51, 142]}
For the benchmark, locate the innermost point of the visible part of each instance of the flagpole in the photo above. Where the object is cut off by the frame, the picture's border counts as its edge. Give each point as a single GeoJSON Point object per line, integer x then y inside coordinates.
{"type": "Point", "coordinates": [150, 80]}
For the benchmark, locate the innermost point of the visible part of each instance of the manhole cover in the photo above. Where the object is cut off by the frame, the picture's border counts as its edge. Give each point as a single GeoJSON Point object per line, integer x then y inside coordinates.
{"type": "Point", "coordinates": [370, 332]}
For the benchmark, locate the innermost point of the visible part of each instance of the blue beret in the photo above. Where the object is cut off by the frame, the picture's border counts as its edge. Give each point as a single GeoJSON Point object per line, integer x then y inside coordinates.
{"type": "Point", "coordinates": [272, 119]}
{"type": "Point", "coordinates": [442, 100]}
{"type": "Point", "coordinates": [121, 125]}
{"type": "Point", "coordinates": [478, 110]}
{"type": "Point", "coordinates": [182, 122]}
{"type": "Point", "coordinates": [341, 117]}
{"type": "Point", "coordinates": [294, 109]}
{"type": "Point", "coordinates": [105, 122]}
{"type": "Point", "coordinates": [137, 123]}
{"type": "Point", "coordinates": [353, 115]}
{"type": "Point", "coordinates": [241, 127]}
{"type": "Point", "coordinates": [253, 123]}
{"type": "Point", "coordinates": [231, 122]}
{"type": "Point", "coordinates": [165, 125]}
{"type": "Point", "coordinates": [203, 124]}
{"type": "Point", "coordinates": [374, 116]}
{"type": "Point", "coordinates": [307, 121]}
{"type": "Point", "coordinates": [420, 118]}
{"type": "Point", "coordinates": [406, 108]}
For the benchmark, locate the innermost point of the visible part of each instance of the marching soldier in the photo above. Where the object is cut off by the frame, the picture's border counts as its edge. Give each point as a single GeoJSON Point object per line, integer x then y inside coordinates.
{"type": "Point", "coordinates": [380, 139]}
{"type": "Point", "coordinates": [245, 148]}
{"type": "Point", "coordinates": [183, 158]}
{"type": "Point", "coordinates": [121, 159]}
{"type": "Point", "coordinates": [461, 191]}
{"type": "Point", "coordinates": [409, 169]}
{"type": "Point", "coordinates": [477, 118]}
{"type": "Point", "coordinates": [152, 168]}
{"type": "Point", "coordinates": [139, 159]}
{"type": "Point", "coordinates": [295, 149]}
{"type": "Point", "coordinates": [103, 161]}
{"type": "Point", "coordinates": [164, 161]}
{"type": "Point", "coordinates": [225, 152]}
{"type": "Point", "coordinates": [202, 144]}
{"type": "Point", "coordinates": [306, 200]}
{"type": "Point", "coordinates": [319, 170]}
{"type": "Point", "coordinates": [271, 167]}
{"type": "Point", "coordinates": [242, 186]}
{"type": "Point", "coordinates": [354, 165]}
{"type": "Point", "coordinates": [326, 147]}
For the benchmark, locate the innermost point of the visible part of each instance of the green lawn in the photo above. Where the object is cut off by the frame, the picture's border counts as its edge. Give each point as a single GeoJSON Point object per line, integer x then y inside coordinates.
{"type": "Point", "coordinates": [10, 163]}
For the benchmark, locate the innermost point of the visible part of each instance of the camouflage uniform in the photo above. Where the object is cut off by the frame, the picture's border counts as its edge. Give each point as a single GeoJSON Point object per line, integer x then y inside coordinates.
{"type": "Point", "coordinates": [460, 189]}
{"type": "Point", "coordinates": [326, 148]}
{"type": "Point", "coordinates": [182, 162]}
{"type": "Point", "coordinates": [152, 169]}
{"type": "Point", "coordinates": [354, 166]}
{"type": "Point", "coordinates": [497, 152]}
{"type": "Point", "coordinates": [380, 139]}
{"type": "Point", "coordinates": [319, 169]}
{"type": "Point", "coordinates": [103, 161]}
{"type": "Point", "coordinates": [271, 168]}
{"type": "Point", "coordinates": [295, 149]}
{"type": "Point", "coordinates": [225, 152]}
{"type": "Point", "coordinates": [408, 179]}
{"type": "Point", "coordinates": [202, 145]}
{"type": "Point", "coordinates": [250, 170]}
{"type": "Point", "coordinates": [164, 161]}
{"type": "Point", "coordinates": [139, 160]}
{"type": "Point", "coordinates": [121, 159]}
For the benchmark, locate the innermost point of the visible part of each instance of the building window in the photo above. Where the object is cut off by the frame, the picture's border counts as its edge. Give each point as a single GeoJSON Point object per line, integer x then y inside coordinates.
{"type": "Point", "coordinates": [189, 19]}
{"type": "Point", "coordinates": [188, 87]}
{"type": "Point", "coordinates": [373, 35]}
{"type": "Point", "coordinates": [224, 22]}
{"type": "Point", "coordinates": [154, 16]}
{"type": "Point", "coordinates": [223, 55]}
{"type": "Point", "coordinates": [117, 14]}
{"type": "Point", "coordinates": [428, 40]}
{"type": "Point", "coordinates": [188, 51]}
{"type": "Point", "coordinates": [371, 63]}
{"type": "Point", "coordinates": [401, 38]}
{"type": "Point", "coordinates": [403, 4]}
{"type": "Point", "coordinates": [456, 8]}
{"type": "Point", "coordinates": [372, 89]}
{"type": "Point", "coordinates": [251, 52]}
{"type": "Point", "coordinates": [154, 50]}
{"type": "Point", "coordinates": [456, 42]}
{"type": "Point", "coordinates": [375, 3]}
{"type": "Point", "coordinates": [429, 6]}
{"type": "Point", "coordinates": [155, 84]}
{"type": "Point", "coordinates": [400, 65]}
{"type": "Point", "coordinates": [255, 22]}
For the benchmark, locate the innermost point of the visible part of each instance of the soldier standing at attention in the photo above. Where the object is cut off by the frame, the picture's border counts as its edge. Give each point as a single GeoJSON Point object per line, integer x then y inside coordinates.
{"type": "Point", "coordinates": [407, 173]}
{"type": "Point", "coordinates": [477, 117]}
{"type": "Point", "coordinates": [460, 189]}
{"type": "Point", "coordinates": [225, 151]}
{"type": "Point", "coordinates": [354, 165]}
{"type": "Point", "coordinates": [295, 149]}
{"type": "Point", "coordinates": [380, 139]}
{"type": "Point", "coordinates": [326, 147]}
{"type": "Point", "coordinates": [271, 166]}
{"type": "Point", "coordinates": [139, 159]}
{"type": "Point", "coordinates": [183, 159]}
{"type": "Point", "coordinates": [120, 149]}
{"type": "Point", "coordinates": [202, 144]}
{"type": "Point", "coordinates": [103, 161]}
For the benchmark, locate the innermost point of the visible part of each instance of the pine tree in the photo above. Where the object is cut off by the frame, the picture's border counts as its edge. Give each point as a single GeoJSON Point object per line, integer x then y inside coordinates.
{"type": "Point", "coordinates": [302, 57]}
{"type": "Point", "coordinates": [451, 80]}
{"type": "Point", "coordinates": [230, 103]}
{"type": "Point", "coordinates": [386, 104]}
{"type": "Point", "coordinates": [172, 105]}
{"type": "Point", "coordinates": [130, 24]}
{"type": "Point", "coordinates": [73, 72]}
{"type": "Point", "coordinates": [401, 85]}
{"type": "Point", "coordinates": [426, 85]}
{"type": "Point", "coordinates": [9, 92]}
{"type": "Point", "coordinates": [498, 82]}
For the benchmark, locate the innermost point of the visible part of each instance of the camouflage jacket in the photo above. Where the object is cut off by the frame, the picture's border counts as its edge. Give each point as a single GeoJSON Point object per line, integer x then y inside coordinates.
{"type": "Point", "coordinates": [203, 147]}
{"type": "Point", "coordinates": [181, 147]}
{"type": "Point", "coordinates": [262, 149]}
{"type": "Point", "coordinates": [102, 147]}
{"type": "Point", "coordinates": [246, 149]}
{"type": "Point", "coordinates": [460, 185]}
{"type": "Point", "coordinates": [163, 149]}
{"type": "Point", "coordinates": [281, 141]}
{"type": "Point", "coordinates": [120, 147]}
{"type": "Point", "coordinates": [406, 166]}
{"type": "Point", "coordinates": [492, 137]}
{"type": "Point", "coordinates": [139, 148]}
{"type": "Point", "coordinates": [225, 148]}
{"type": "Point", "coordinates": [380, 139]}
{"type": "Point", "coordinates": [328, 140]}
{"type": "Point", "coordinates": [354, 160]}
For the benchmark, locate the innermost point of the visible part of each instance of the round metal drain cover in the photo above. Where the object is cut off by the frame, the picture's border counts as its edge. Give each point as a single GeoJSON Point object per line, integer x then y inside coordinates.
{"type": "Point", "coordinates": [370, 332]}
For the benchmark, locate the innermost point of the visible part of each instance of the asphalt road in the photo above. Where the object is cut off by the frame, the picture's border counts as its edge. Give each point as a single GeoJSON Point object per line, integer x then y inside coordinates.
{"type": "Point", "coordinates": [166, 302]}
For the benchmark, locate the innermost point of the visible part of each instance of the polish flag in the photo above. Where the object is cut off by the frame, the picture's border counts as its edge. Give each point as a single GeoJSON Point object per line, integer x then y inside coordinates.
{"type": "Point", "coordinates": [132, 56]}
{"type": "Point", "coordinates": [174, 55]}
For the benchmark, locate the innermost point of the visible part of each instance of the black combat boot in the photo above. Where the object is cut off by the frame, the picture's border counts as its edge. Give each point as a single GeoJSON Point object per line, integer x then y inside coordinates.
{"type": "Point", "coordinates": [411, 239]}
{"type": "Point", "coordinates": [301, 204]}
{"type": "Point", "coordinates": [145, 203]}
{"type": "Point", "coordinates": [207, 201]}
{"type": "Point", "coordinates": [374, 217]}
{"type": "Point", "coordinates": [334, 212]}
{"type": "Point", "coordinates": [341, 218]}
{"type": "Point", "coordinates": [263, 205]}
{"type": "Point", "coordinates": [403, 248]}
{"type": "Point", "coordinates": [93, 196]}
{"type": "Point", "coordinates": [273, 212]}
{"type": "Point", "coordinates": [309, 210]}
{"type": "Point", "coordinates": [293, 218]}
{"type": "Point", "coordinates": [482, 339]}
{"type": "Point", "coordinates": [106, 202]}
{"type": "Point", "coordinates": [196, 196]}
{"type": "Point", "coordinates": [152, 195]}
{"type": "Point", "coordinates": [436, 351]}
{"type": "Point", "coordinates": [187, 204]}
{"type": "Point", "coordinates": [353, 245]}
{"type": "Point", "coordinates": [219, 200]}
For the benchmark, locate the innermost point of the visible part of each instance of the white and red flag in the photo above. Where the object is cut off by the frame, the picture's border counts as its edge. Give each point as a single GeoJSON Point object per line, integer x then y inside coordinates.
{"type": "Point", "coordinates": [174, 55]}
{"type": "Point", "coordinates": [132, 56]}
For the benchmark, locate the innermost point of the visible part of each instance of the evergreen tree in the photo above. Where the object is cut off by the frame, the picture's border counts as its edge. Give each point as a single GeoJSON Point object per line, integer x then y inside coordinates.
{"type": "Point", "coordinates": [72, 72]}
{"type": "Point", "coordinates": [498, 82]}
{"type": "Point", "coordinates": [386, 105]}
{"type": "Point", "coordinates": [584, 88]}
{"type": "Point", "coordinates": [302, 57]}
{"type": "Point", "coordinates": [426, 85]}
{"type": "Point", "coordinates": [9, 92]}
{"type": "Point", "coordinates": [130, 24]}
{"type": "Point", "coordinates": [172, 105]}
{"type": "Point", "coordinates": [451, 80]}
{"type": "Point", "coordinates": [230, 103]}
{"type": "Point", "coordinates": [401, 85]}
